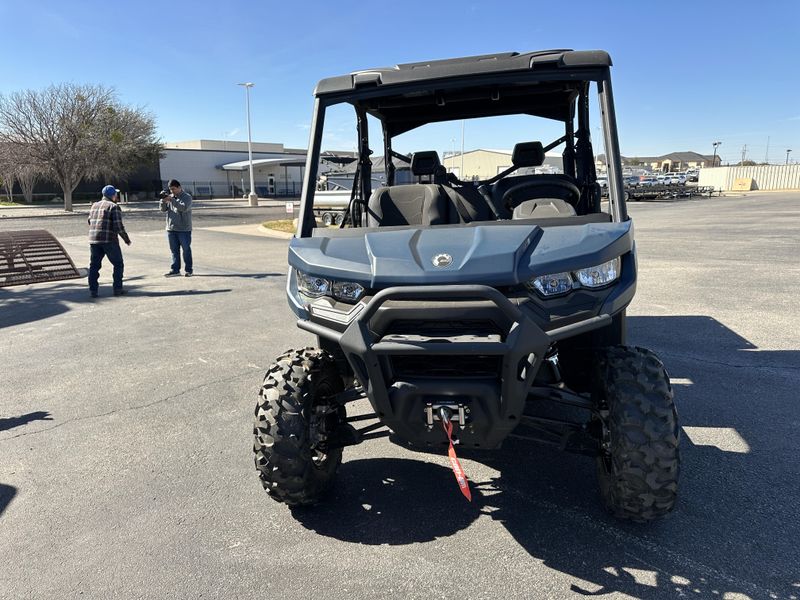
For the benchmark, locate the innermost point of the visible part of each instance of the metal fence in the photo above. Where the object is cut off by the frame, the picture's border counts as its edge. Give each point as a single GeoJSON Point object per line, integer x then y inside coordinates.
{"type": "Point", "coordinates": [202, 190]}
{"type": "Point", "coordinates": [208, 190]}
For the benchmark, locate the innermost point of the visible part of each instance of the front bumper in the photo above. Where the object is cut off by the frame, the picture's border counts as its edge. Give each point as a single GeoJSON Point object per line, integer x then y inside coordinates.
{"type": "Point", "coordinates": [492, 404]}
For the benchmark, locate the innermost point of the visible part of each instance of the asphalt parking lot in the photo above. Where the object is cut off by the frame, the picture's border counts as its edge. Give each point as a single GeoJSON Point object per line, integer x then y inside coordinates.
{"type": "Point", "coordinates": [125, 437]}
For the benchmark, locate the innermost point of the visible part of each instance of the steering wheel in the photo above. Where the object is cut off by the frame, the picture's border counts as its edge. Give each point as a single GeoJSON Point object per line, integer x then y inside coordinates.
{"type": "Point", "coordinates": [510, 204]}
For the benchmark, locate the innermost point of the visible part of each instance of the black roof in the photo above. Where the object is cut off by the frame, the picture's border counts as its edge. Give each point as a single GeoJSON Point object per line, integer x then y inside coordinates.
{"type": "Point", "coordinates": [486, 64]}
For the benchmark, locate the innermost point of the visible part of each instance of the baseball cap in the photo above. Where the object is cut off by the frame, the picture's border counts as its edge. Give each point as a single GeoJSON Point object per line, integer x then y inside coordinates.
{"type": "Point", "coordinates": [109, 191]}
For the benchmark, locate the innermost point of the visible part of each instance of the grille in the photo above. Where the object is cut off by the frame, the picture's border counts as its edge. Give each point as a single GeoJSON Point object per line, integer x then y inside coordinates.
{"type": "Point", "coordinates": [462, 330]}
{"type": "Point", "coordinates": [446, 366]}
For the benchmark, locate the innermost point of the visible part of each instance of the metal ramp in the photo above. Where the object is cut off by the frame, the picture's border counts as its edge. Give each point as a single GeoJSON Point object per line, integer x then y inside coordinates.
{"type": "Point", "coordinates": [33, 256]}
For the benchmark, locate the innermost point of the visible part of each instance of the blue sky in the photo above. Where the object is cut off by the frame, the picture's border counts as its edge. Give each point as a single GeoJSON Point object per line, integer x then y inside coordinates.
{"type": "Point", "coordinates": [685, 74]}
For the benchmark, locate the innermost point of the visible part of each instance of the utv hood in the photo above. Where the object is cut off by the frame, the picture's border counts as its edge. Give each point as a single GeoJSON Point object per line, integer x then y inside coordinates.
{"type": "Point", "coordinates": [488, 254]}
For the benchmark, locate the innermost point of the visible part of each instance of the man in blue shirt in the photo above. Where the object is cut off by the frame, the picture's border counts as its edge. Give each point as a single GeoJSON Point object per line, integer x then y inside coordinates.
{"type": "Point", "coordinates": [105, 229]}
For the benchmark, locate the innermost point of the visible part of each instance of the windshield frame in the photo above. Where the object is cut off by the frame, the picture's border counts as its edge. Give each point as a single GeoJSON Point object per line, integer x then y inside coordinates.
{"type": "Point", "coordinates": [360, 96]}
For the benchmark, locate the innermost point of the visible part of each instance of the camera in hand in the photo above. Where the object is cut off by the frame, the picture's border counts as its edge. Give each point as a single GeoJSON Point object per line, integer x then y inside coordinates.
{"type": "Point", "coordinates": [163, 194]}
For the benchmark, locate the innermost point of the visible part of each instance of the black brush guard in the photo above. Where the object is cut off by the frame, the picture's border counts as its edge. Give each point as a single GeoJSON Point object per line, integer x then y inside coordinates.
{"type": "Point", "coordinates": [491, 407]}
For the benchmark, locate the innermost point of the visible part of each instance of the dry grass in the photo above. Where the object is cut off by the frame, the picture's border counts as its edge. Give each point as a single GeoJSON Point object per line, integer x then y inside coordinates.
{"type": "Point", "coordinates": [290, 225]}
{"type": "Point", "coordinates": [285, 225]}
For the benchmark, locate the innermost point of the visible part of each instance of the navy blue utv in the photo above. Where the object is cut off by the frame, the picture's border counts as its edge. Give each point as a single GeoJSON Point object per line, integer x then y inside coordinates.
{"type": "Point", "coordinates": [474, 295]}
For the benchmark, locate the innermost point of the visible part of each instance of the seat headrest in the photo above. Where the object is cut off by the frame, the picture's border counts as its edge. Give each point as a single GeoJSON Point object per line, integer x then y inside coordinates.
{"type": "Point", "coordinates": [528, 154]}
{"type": "Point", "coordinates": [425, 163]}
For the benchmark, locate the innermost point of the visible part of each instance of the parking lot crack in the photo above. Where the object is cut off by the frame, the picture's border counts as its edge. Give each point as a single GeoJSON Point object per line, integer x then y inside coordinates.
{"type": "Point", "coordinates": [131, 408]}
{"type": "Point", "coordinates": [694, 358]}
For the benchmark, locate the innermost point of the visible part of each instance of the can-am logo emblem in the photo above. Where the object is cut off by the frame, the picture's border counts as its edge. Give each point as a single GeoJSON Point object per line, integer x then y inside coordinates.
{"type": "Point", "coordinates": [442, 260]}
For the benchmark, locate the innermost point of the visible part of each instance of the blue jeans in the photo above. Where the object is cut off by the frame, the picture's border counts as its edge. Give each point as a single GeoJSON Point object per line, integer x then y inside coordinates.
{"type": "Point", "coordinates": [180, 240]}
{"type": "Point", "coordinates": [97, 253]}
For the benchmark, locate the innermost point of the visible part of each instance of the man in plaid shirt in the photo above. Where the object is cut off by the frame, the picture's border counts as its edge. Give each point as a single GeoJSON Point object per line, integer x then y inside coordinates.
{"type": "Point", "coordinates": [105, 229]}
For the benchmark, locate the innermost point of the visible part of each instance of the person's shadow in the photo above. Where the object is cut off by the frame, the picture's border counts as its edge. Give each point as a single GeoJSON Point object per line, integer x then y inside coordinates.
{"type": "Point", "coordinates": [735, 527]}
{"type": "Point", "coordinates": [7, 493]}
{"type": "Point", "coordinates": [136, 291]}
{"type": "Point", "coordinates": [11, 422]}
{"type": "Point", "coordinates": [32, 303]}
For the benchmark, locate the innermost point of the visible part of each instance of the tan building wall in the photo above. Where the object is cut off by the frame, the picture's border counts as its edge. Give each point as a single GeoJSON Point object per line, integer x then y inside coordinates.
{"type": "Point", "coordinates": [669, 166]}
{"type": "Point", "coordinates": [482, 164]}
{"type": "Point", "coordinates": [765, 177]}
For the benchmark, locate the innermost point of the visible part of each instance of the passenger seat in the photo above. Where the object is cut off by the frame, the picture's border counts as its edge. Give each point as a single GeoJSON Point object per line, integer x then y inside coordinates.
{"type": "Point", "coordinates": [414, 204]}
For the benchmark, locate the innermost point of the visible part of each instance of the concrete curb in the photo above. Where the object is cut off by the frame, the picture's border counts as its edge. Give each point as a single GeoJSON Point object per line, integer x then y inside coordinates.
{"type": "Point", "coordinates": [276, 234]}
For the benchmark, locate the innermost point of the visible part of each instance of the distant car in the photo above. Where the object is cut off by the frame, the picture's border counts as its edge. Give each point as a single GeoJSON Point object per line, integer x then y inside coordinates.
{"type": "Point", "coordinates": [602, 181]}
{"type": "Point", "coordinates": [674, 178]}
{"type": "Point", "coordinates": [692, 175]}
{"type": "Point", "coordinates": [632, 180]}
{"type": "Point", "coordinates": [648, 181]}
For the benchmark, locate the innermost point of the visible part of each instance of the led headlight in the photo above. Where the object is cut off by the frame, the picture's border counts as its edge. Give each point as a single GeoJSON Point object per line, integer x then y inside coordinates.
{"type": "Point", "coordinates": [551, 285]}
{"type": "Point", "coordinates": [311, 286]}
{"type": "Point", "coordinates": [348, 291]}
{"type": "Point", "coordinates": [317, 287]}
{"type": "Point", "coordinates": [557, 284]}
{"type": "Point", "coordinates": [599, 276]}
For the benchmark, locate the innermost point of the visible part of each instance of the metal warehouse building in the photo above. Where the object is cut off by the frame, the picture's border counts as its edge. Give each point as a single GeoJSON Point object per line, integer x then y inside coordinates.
{"type": "Point", "coordinates": [213, 168]}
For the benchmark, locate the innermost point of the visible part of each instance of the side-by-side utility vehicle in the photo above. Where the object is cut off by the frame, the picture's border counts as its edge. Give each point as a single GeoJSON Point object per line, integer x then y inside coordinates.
{"type": "Point", "coordinates": [481, 298]}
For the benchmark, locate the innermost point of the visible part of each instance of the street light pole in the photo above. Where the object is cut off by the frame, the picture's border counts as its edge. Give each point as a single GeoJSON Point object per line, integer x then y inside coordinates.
{"type": "Point", "coordinates": [714, 160]}
{"type": "Point", "coordinates": [253, 197]}
{"type": "Point", "coordinates": [787, 155]}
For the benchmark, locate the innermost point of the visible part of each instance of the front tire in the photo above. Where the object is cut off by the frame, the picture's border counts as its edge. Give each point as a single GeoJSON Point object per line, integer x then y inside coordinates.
{"type": "Point", "coordinates": [293, 419]}
{"type": "Point", "coordinates": [639, 464]}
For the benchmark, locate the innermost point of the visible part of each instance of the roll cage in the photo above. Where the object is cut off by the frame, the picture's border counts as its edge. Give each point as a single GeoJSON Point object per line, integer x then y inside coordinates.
{"type": "Point", "coordinates": [549, 84]}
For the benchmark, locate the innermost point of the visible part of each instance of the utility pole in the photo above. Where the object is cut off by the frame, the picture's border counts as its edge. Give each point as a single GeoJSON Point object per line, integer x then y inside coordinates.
{"type": "Point", "coordinates": [714, 160]}
{"type": "Point", "coordinates": [744, 154]}
{"type": "Point", "coordinates": [253, 196]}
{"type": "Point", "coordinates": [787, 155]}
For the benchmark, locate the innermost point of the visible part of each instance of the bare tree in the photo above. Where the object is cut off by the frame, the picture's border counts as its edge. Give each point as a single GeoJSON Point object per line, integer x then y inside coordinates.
{"type": "Point", "coordinates": [7, 170]}
{"type": "Point", "coordinates": [17, 165]}
{"type": "Point", "coordinates": [27, 177]}
{"type": "Point", "coordinates": [75, 131]}
{"type": "Point", "coordinates": [7, 179]}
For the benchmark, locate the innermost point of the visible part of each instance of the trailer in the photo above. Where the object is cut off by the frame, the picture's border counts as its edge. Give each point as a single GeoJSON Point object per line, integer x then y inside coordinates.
{"type": "Point", "coordinates": [662, 191]}
{"type": "Point", "coordinates": [330, 206]}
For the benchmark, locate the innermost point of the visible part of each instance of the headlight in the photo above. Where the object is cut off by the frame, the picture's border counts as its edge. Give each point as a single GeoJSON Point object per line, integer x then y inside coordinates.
{"type": "Point", "coordinates": [316, 287]}
{"type": "Point", "coordinates": [349, 291]}
{"type": "Point", "coordinates": [557, 284]}
{"type": "Point", "coordinates": [312, 286]}
{"type": "Point", "coordinates": [595, 277]}
{"type": "Point", "coordinates": [551, 285]}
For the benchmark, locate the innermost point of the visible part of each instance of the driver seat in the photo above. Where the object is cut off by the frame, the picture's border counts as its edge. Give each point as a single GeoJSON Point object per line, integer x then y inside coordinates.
{"type": "Point", "coordinates": [559, 200]}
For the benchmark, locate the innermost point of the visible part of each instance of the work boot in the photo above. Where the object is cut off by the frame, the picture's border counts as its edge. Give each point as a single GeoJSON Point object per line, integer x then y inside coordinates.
{"type": "Point", "coordinates": [120, 292]}
{"type": "Point", "coordinates": [172, 274]}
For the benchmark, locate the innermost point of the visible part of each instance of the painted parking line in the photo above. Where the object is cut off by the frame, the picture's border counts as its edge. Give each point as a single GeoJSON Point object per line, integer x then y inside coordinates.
{"type": "Point", "coordinates": [726, 439]}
